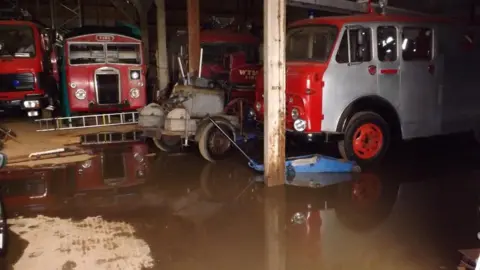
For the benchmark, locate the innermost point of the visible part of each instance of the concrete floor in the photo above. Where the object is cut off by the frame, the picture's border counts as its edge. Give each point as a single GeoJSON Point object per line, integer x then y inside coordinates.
{"type": "Point", "coordinates": [180, 212]}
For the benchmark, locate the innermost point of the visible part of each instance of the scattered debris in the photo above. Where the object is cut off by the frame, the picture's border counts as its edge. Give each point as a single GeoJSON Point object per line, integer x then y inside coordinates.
{"type": "Point", "coordinates": [49, 154]}
{"type": "Point", "coordinates": [6, 134]}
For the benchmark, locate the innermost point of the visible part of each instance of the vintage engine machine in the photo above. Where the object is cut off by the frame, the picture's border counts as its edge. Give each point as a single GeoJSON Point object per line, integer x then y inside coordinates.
{"type": "Point", "coordinates": [183, 119]}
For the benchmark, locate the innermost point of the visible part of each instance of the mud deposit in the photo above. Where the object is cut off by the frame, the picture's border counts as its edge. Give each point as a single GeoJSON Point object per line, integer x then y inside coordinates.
{"type": "Point", "coordinates": [92, 243]}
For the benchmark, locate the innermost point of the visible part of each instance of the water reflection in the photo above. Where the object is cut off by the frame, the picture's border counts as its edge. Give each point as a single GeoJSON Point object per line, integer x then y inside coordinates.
{"type": "Point", "coordinates": [197, 214]}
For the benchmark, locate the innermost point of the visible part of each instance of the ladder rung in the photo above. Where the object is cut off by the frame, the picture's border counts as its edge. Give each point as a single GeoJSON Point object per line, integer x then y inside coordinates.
{"type": "Point", "coordinates": [84, 121]}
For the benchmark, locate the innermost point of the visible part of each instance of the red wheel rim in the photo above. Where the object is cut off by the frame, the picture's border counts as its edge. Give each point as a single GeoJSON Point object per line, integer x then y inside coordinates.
{"type": "Point", "coordinates": [367, 141]}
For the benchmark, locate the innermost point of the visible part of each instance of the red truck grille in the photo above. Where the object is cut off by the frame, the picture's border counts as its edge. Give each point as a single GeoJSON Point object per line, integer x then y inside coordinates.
{"type": "Point", "coordinates": [108, 88]}
{"type": "Point", "coordinates": [17, 82]}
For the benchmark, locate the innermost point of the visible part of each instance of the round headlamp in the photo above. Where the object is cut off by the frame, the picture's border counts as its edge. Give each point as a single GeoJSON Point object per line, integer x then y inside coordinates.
{"type": "Point", "coordinates": [300, 125]}
{"type": "Point", "coordinates": [134, 74]}
{"type": "Point", "coordinates": [134, 93]}
{"type": "Point", "coordinates": [80, 94]}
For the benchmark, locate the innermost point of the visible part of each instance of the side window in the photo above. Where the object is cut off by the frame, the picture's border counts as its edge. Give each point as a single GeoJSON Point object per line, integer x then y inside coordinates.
{"type": "Point", "coordinates": [360, 46]}
{"type": "Point", "coordinates": [417, 44]}
{"type": "Point", "coordinates": [387, 43]}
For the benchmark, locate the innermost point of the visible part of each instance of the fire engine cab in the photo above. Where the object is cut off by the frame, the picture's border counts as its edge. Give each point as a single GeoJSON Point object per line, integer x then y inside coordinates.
{"type": "Point", "coordinates": [104, 70]}
{"type": "Point", "coordinates": [365, 79]}
{"type": "Point", "coordinates": [27, 67]}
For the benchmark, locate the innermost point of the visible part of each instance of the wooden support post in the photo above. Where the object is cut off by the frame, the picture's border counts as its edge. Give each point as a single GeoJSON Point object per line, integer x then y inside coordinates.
{"type": "Point", "coordinates": [274, 85]}
{"type": "Point", "coordinates": [275, 222]}
{"type": "Point", "coordinates": [193, 10]}
{"type": "Point", "coordinates": [162, 56]}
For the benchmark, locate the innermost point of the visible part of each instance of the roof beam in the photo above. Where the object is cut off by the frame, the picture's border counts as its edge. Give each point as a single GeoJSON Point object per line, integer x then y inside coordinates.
{"type": "Point", "coordinates": [347, 7]}
{"type": "Point", "coordinates": [335, 6]}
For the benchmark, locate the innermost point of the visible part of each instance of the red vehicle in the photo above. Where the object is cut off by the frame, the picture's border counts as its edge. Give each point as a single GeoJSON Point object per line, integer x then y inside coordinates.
{"type": "Point", "coordinates": [28, 74]}
{"type": "Point", "coordinates": [230, 60]}
{"type": "Point", "coordinates": [366, 80]}
{"type": "Point", "coordinates": [113, 166]}
{"type": "Point", "coordinates": [104, 69]}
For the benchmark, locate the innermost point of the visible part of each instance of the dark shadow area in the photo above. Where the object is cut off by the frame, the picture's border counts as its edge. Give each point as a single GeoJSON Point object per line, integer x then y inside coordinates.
{"type": "Point", "coordinates": [15, 249]}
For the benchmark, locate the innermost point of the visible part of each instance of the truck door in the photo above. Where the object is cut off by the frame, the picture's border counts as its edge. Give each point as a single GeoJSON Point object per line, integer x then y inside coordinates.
{"type": "Point", "coordinates": [419, 109]}
{"type": "Point", "coordinates": [388, 64]}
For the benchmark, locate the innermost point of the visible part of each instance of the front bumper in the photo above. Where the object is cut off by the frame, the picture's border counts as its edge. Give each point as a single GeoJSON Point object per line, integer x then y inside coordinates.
{"type": "Point", "coordinates": [315, 137]}
{"type": "Point", "coordinates": [40, 102]}
{"type": "Point", "coordinates": [311, 137]}
{"type": "Point", "coordinates": [10, 105]}
{"type": "Point", "coordinates": [99, 107]}
{"type": "Point", "coordinates": [93, 107]}
{"type": "Point", "coordinates": [33, 104]}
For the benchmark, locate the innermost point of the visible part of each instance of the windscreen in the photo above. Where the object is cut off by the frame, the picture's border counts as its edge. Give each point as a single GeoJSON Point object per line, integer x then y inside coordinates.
{"type": "Point", "coordinates": [124, 54]}
{"type": "Point", "coordinates": [99, 53]}
{"type": "Point", "coordinates": [16, 41]}
{"type": "Point", "coordinates": [214, 53]}
{"type": "Point", "coordinates": [310, 43]}
{"type": "Point", "coordinates": [88, 53]}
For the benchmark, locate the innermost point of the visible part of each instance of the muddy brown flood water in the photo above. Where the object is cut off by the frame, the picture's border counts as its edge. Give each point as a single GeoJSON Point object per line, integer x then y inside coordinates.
{"type": "Point", "coordinates": [125, 210]}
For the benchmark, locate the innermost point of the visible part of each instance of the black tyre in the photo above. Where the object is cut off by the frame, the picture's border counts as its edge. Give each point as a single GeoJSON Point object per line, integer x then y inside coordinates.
{"type": "Point", "coordinates": [213, 144]}
{"type": "Point", "coordinates": [367, 138]}
{"type": "Point", "coordinates": [169, 144]}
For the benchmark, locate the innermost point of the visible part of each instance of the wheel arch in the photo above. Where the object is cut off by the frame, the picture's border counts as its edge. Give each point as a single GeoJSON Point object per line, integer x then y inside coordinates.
{"type": "Point", "coordinates": [374, 104]}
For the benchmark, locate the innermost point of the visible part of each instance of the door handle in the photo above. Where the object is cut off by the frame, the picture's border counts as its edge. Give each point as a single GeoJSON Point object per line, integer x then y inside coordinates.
{"type": "Point", "coordinates": [389, 71]}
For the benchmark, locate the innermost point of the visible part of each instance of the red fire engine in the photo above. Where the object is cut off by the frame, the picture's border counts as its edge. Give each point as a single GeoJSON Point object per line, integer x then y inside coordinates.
{"type": "Point", "coordinates": [27, 71]}
{"type": "Point", "coordinates": [364, 80]}
{"type": "Point", "coordinates": [233, 58]}
{"type": "Point", "coordinates": [104, 70]}
{"type": "Point", "coordinates": [230, 59]}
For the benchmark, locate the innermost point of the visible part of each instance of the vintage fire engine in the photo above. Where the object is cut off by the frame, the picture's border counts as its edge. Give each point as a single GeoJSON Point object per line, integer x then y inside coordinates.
{"type": "Point", "coordinates": [104, 71]}
{"type": "Point", "coordinates": [231, 60]}
{"type": "Point", "coordinates": [28, 73]}
{"type": "Point", "coordinates": [366, 79]}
